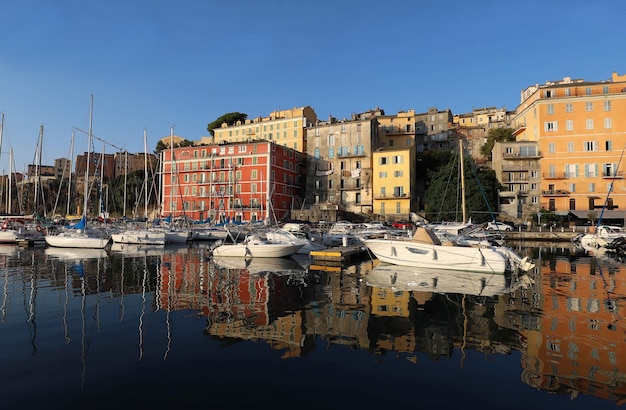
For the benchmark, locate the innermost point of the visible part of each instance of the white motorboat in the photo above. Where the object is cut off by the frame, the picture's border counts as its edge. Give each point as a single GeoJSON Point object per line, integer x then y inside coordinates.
{"type": "Point", "coordinates": [209, 233]}
{"type": "Point", "coordinates": [604, 235]}
{"type": "Point", "coordinates": [255, 247]}
{"type": "Point", "coordinates": [285, 236]}
{"type": "Point", "coordinates": [426, 250]}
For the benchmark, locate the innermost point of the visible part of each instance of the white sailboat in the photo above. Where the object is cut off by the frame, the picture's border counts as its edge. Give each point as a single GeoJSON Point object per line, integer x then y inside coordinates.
{"type": "Point", "coordinates": [80, 236]}
{"type": "Point", "coordinates": [255, 247]}
{"type": "Point", "coordinates": [141, 235]}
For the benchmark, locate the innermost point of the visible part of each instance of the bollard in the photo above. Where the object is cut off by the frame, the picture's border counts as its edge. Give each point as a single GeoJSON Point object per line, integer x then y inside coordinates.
{"type": "Point", "coordinates": [344, 241]}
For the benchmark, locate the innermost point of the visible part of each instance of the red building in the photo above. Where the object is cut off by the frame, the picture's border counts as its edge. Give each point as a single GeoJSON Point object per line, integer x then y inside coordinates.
{"type": "Point", "coordinates": [242, 181]}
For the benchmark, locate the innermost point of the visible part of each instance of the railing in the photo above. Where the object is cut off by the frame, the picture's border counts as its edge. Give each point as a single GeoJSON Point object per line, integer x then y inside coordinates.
{"type": "Point", "coordinates": [555, 175]}
{"type": "Point", "coordinates": [555, 192]}
{"type": "Point", "coordinates": [618, 174]}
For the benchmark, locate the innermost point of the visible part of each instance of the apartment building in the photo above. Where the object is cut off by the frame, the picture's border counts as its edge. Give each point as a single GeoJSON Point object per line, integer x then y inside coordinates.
{"type": "Point", "coordinates": [474, 127]}
{"type": "Point", "coordinates": [518, 168]}
{"type": "Point", "coordinates": [285, 127]}
{"type": "Point", "coordinates": [580, 127]}
{"type": "Point", "coordinates": [394, 182]}
{"type": "Point", "coordinates": [127, 163]}
{"type": "Point", "coordinates": [239, 181]}
{"type": "Point", "coordinates": [339, 166]}
{"type": "Point", "coordinates": [99, 164]}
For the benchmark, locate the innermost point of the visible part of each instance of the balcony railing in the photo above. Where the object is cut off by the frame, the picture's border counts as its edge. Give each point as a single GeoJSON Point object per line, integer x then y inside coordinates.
{"type": "Point", "coordinates": [555, 192]}
{"type": "Point", "coordinates": [615, 175]}
{"type": "Point", "coordinates": [555, 175]}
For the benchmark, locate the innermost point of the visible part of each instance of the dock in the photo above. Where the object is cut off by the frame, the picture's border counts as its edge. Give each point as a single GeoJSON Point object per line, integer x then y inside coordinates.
{"type": "Point", "coordinates": [339, 255]}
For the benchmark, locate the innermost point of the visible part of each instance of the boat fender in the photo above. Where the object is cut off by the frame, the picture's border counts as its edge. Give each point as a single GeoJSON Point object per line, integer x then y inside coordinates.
{"type": "Point", "coordinates": [38, 228]}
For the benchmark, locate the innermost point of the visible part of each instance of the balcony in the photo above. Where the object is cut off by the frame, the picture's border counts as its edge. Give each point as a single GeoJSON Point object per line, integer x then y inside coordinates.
{"type": "Point", "coordinates": [613, 175]}
{"type": "Point", "coordinates": [555, 175]}
{"type": "Point", "coordinates": [555, 192]}
{"type": "Point", "coordinates": [516, 156]}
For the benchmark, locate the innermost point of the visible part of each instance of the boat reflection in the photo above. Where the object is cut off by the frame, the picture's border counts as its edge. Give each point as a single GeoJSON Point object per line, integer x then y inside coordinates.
{"type": "Point", "coordinates": [257, 265]}
{"type": "Point", "coordinates": [403, 278]}
{"type": "Point", "coordinates": [75, 253]}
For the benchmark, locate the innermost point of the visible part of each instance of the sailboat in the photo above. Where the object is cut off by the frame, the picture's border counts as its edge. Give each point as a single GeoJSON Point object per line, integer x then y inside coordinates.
{"type": "Point", "coordinates": [79, 235]}
{"type": "Point", "coordinates": [428, 248]}
{"type": "Point", "coordinates": [141, 235]}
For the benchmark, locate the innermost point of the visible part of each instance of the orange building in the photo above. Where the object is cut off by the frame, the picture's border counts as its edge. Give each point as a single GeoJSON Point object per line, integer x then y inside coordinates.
{"type": "Point", "coordinates": [242, 182]}
{"type": "Point", "coordinates": [581, 130]}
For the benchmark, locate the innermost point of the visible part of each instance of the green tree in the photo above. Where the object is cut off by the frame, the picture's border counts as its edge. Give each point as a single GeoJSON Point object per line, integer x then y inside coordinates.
{"type": "Point", "coordinates": [496, 135]}
{"type": "Point", "coordinates": [442, 197]}
{"type": "Point", "coordinates": [230, 119]}
{"type": "Point", "coordinates": [163, 146]}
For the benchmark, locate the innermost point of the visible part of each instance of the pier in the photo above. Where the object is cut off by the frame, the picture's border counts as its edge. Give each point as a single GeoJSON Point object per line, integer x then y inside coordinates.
{"type": "Point", "coordinates": [339, 255]}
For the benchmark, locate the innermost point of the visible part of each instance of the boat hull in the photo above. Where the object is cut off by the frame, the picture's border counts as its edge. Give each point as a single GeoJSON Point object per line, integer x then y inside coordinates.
{"type": "Point", "coordinates": [139, 237]}
{"type": "Point", "coordinates": [76, 241]}
{"type": "Point", "coordinates": [416, 254]}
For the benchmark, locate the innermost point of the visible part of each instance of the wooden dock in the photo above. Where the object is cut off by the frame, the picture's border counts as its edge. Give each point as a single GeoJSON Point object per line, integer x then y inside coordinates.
{"type": "Point", "coordinates": [339, 255]}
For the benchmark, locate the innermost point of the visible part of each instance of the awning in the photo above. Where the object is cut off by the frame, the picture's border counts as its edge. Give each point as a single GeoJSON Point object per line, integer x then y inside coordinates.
{"type": "Point", "coordinates": [607, 214]}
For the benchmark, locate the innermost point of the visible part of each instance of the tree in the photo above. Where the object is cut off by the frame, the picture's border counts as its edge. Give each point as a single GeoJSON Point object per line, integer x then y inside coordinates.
{"type": "Point", "coordinates": [231, 118]}
{"type": "Point", "coordinates": [161, 146]}
{"type": "Point", "coordinates": [496, 135]}
{"type": "Point", "coordinates": [442, 197]}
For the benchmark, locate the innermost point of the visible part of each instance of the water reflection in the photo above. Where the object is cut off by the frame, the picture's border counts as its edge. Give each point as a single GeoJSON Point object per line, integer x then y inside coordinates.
{"type": "Point", "coordinates": [566, 321]}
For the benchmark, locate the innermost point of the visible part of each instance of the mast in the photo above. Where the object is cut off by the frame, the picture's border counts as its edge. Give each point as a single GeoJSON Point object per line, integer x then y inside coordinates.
{"type": "Point", "coordinates": [145, 173]}
{"type": "Point", "coordinates": [10, 205]}
{"type": "Point", "coordinates": [37, 168]}
{"type": "Point", "coordinates": [69, 181]}
{"type": "Point", "coordinates": [125, 178]}
{"type": "Point", "coordinates": [1, 131]}
{"type": "Point", "coordinates": [462, 182]}
{"type": "Point", "coordinates": [172, 171]}
{"type": "Point", "coordinates": [86, 190]}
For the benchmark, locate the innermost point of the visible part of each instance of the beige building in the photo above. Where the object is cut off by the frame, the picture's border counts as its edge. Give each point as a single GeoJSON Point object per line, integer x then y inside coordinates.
{"type": "Point", "coordinates": [286, 128]}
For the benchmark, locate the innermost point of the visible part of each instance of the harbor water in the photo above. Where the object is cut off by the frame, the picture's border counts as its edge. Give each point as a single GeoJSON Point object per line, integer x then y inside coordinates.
{"type": "Point", "coordinates": [171, 326]}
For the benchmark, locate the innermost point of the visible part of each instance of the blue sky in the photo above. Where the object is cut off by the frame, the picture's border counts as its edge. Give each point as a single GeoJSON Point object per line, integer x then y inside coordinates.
{"type": "Point", "coordinates": [158, 63]}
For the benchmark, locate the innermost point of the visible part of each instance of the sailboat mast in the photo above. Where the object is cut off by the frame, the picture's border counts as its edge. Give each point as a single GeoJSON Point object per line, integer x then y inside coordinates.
{"type": "Point", "coordinates": [69, 181]}
{"type": "Point", "coordinates": [145, 173]}
{"type": "Point", "coordinates": [37, 169]}
{"type": "Point", "coordinates": [462, 181]}
{"type": "Point", "coordinates": [10, 206]}
{"type": "Point", "coordinates": [86, 193]}
{"type": "Point", "coordinates": [1, 131]}
{"type": "Point", "coordinates": [171, 167]}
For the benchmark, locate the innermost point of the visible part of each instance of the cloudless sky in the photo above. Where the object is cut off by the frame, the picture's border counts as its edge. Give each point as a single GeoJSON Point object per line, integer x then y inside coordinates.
{"type": "Point", "coordinates": [153, 64]}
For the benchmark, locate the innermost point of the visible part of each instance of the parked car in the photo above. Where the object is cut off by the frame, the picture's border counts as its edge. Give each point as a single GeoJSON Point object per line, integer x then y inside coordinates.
{"type": "Point", "coordinates": [402, 225]}
{"type": "Point", "coordinates": [498, 226]}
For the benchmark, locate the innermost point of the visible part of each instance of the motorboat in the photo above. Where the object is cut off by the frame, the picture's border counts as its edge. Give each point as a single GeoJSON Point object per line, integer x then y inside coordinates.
{"type": "Point", "coordinates": [603, 235]}
{"type": "Point", "coordinates": [426, 250]}
{"type": "Point", "coordinates": [255, 247]}
{"type": "Point", "coordinates": [284, 236]}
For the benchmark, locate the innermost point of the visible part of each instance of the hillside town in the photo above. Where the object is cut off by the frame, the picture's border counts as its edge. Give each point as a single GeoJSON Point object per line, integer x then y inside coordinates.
{"type": "Point", "coordinates": [563, 157]}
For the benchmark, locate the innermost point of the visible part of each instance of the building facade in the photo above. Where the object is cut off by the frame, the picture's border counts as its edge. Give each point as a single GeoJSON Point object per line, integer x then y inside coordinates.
{"type": "Point", "coordinates": [474, 127]}
{"type": "Point", "coordinates": [242, 182]}
{"type": "Point", "coordinates": [518, 168]}
{"type": "Point", "coordinates": [99, 164]}
{"type": "Point", "coordinates": [339, 166]}
{"type": "Point", "coordinates": [285, 127]}
{"type": "Point", "coordinates": [581, 129]}
{"type": "Point", "coordinates": [394, 182]}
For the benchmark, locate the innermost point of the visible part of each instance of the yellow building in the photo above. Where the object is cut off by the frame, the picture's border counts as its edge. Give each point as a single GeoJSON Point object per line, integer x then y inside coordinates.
{"type": "Point", "coordinates": [581, 130]}
{"type": "Point", "coordinates": [394, 182]}
{"type": "Point", "coordinates": [286, 127]}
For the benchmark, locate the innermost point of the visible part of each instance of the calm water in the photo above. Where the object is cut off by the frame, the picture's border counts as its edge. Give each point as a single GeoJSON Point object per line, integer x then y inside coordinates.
{"type": "Point", "coordinates": [169, 326]}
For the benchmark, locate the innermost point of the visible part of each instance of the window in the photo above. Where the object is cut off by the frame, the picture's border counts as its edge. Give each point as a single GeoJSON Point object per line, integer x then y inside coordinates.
{"type": "Point", "coordinates": [254, 174]}
{"type": "Point", "coordinates": [572, 204]}
{"type": "Point", "coordinates": [607, 105]}
{"type": "Point", "coordinates": [591, 170]}
{"type": "Point", "coordinates": [397, 173]}
{"type": "Point", "coordinates": [550, 108]}
{"type": "Point", "coordinates": [382, 208]}
{"type": "Point", "coordinates": [534, 200]}
{"type": "Point", "coordinates": [569, 125]}
{"type": "Point", "coordinates": [570, 146]}
{"type": "Point", "coordinates": [331, 152]}
{"type": "Point", "coordinates": [397, 159]}
{"type": "Point", "coordinates": [382, 174]}
{"type": "Point", "coordinates": [398, 191]}
{"type": "Point", "coordinates": [330, 140]}
{"type": "Point", "coordinates": [357, 198]}
{"type": "Point", "coordinates": [590, 146]}
{"type": "Point", "coordinates": [534, 174]}
{"type": "Point", "coordinates": [592, 187]}
{"type": "Point", "coordinates": [608, 170]}
{"type": "Point", "coordinates": [572, 187]}
{"type": "Point", "coordinates": [608, 123]}
{"type": "Point", "coordinates": [551, 126]}
{"type": "Point", "coordinates": [569, 107]}
{"type": "Point", "coordinates": [382, 161]}
{"type": "Point", "coordinates": [589, 123]}
{"type": "Point", "coordinates": [605, 89]}
{"type": "Point", "coordinates": [588, 91]}
{"type": "Point", "coordinates": [608, 145]}
{"type": "Point", "coordinates": [398, 208]}
{"type": "Point", "coordinates": [316, 154]}
{"type": "Point", "coordinates": [383, 191]}
{"type": "Point", "coordinates": [589, 106]}
{"type": "Point", "coordinates": [551, 148]}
